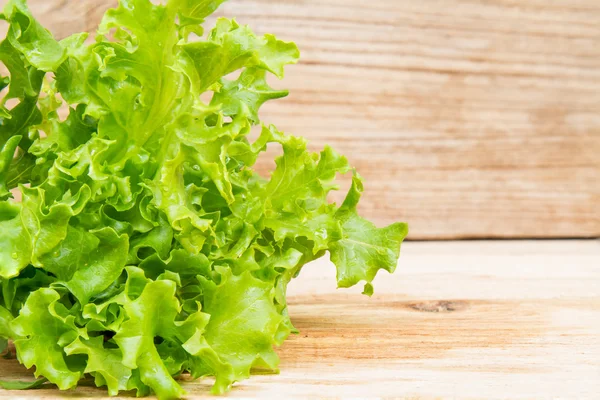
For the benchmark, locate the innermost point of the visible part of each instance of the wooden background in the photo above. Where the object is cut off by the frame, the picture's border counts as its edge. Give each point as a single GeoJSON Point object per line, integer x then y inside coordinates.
{"type": "Point", "coordinates": [469, 119]}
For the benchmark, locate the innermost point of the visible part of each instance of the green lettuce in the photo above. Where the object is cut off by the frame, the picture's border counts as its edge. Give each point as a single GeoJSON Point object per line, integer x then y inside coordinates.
{"type": "Point", "coordinates": [145, 246]}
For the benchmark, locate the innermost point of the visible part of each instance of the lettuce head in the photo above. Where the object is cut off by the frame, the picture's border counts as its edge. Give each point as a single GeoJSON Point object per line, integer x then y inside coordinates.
{"type": "Point", "coordinates": [144, 245]}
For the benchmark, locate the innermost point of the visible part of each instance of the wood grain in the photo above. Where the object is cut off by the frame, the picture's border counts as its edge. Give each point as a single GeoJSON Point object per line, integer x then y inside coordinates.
{"type": "Point", "coordinates": [462, 320]}
{"type": "Point", "coordinates": [468, 119]}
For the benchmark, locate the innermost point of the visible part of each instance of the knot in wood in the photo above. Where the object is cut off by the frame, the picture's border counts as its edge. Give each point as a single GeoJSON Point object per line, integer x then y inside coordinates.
{"type": "Point", "coordinates": [441, 306]}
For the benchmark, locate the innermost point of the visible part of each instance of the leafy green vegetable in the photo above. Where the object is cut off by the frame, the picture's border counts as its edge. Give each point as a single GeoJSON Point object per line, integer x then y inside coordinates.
{"type": "Point", "coordinates": [145, 245]}
{"type": "Point", "coordinates": [18, 385]}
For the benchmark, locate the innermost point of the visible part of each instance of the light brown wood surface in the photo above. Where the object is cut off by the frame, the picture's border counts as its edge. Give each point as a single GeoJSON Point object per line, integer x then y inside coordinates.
{"type": "Point", "coordinates": [464, 320]}
{"type": "Point", "coordinates": [467, 118]}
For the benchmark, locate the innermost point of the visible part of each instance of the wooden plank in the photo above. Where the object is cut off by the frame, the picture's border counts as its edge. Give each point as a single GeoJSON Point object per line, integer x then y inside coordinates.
{"type": "Point", "coordinates": [468, 119]}
{"type": "Point", "coordinates": [491, 320]}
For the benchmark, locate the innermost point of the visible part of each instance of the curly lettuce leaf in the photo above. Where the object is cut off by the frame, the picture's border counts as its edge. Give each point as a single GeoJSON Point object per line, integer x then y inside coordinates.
{"type": "Point", "coordinates": [243, 321]}
{"type": "Point", "coordinates": [363, 249]}
{"type": "Point", "coordinates": [41, 330]}
{"type": "Point", "coordinates": [103, 363]}
{"type": "Point", "coordinates": [31, 39]}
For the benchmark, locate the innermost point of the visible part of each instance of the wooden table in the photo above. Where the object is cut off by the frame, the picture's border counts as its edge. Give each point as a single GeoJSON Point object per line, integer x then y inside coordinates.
{"type": "Point", "coordinates": [496, 319]}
